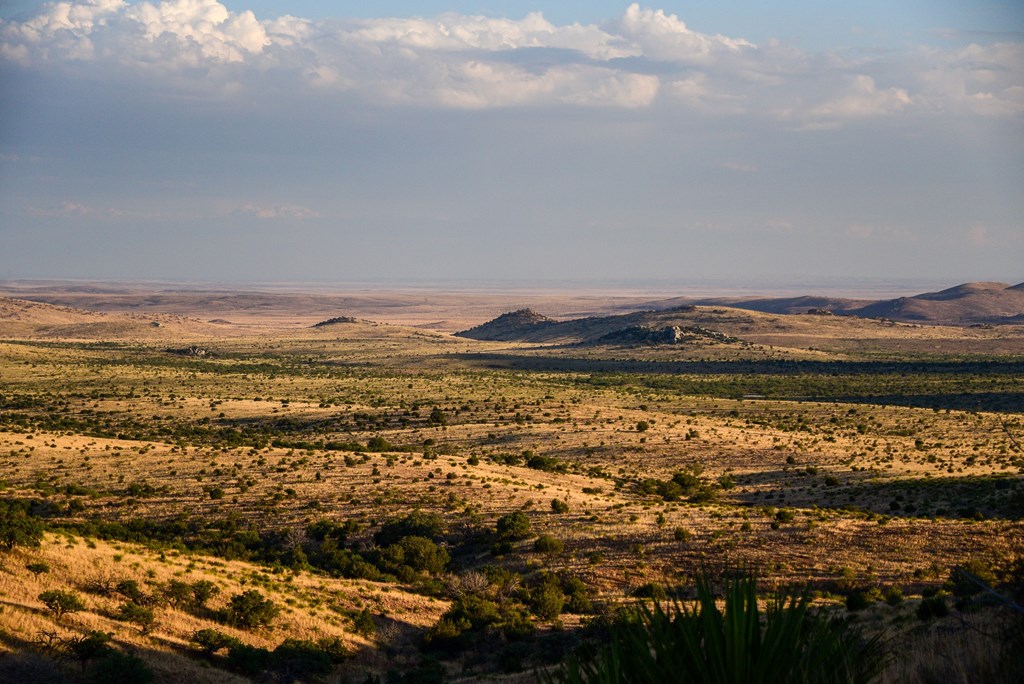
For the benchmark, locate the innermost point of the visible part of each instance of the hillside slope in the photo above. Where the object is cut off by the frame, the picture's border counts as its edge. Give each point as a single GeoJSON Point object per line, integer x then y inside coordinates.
{"type": "Point", "coordinates": [674, 326]}
{"type": "Point", "coordinates": [20, 318]}
{"type": "Point", "coordinates": [965, 304]}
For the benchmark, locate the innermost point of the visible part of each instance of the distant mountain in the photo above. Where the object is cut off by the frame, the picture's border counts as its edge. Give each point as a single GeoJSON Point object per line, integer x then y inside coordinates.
{"type": "Point", "coordinates": [790, 305]}
{"type": "Point", "coordinates": [970, 303]}
{"type": "Point", "coordinates": [966, 304]}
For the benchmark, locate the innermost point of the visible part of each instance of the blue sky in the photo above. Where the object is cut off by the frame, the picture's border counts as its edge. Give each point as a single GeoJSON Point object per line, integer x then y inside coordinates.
{"type": "Point", "coordinates": [449, 141]}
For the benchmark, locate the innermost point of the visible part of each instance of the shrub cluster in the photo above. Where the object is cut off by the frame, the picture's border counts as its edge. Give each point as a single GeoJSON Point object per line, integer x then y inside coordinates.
{"type": "Point", "coordinates": [292, 660]}
{"type": "Point", "coordinates": [684, 484]}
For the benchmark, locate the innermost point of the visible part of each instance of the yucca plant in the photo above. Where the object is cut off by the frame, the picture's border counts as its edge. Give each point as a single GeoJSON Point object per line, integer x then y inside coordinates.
{"type": "Point", "coordinates": [733, 644]}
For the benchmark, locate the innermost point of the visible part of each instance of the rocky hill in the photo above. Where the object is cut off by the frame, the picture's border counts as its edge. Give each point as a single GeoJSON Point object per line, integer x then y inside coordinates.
{"type": "Point", "coordinates": [523, 324]}
{"type": "Point", "coordinates": [674, 326]}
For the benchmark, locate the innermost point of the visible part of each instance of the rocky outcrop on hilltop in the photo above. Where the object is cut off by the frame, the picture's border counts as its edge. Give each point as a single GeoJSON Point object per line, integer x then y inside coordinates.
{"type": "Point", "coordinates": [337, 320]}
{"type": "Point", "coordinates": [511, 326]}
{"type": "Point", "coordinates": [673, 334]}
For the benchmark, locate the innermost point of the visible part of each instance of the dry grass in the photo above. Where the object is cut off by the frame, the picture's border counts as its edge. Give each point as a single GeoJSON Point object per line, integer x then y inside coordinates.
{"type": "Point", "coordinates": [877, 490]}
{"type": "Point", "coordinates": [313, 607]}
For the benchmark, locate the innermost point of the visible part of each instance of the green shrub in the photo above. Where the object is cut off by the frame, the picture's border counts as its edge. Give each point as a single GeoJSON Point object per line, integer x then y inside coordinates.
{"type": "Point", "coordinates": [334, 647]}
{"type": "Point", "coordinates": [545, 543]}
{"type": "Point", "coordinates": [38, 568]}
{"type": "Point", "coordinates": [416, 524]}
{"type": "Point", "coordinates": [297, 659]}
{"type": "Point", "coordinates": [411, 555]}
{"type": "Point", "coordinates": [363, 623]}
{"type": "Point", "coordinates": [203, 591]}
{"type": "Point", "coordinates": [60, 603]}
{"type": "Point", "coordinates": [858, 600]}
{"type": "Point", "coordinates": [514, 526]}
{"type": "Point", "coordinates": [577, 595]}
{"type": "Point", "coordinates": [471, 618]}
{"type": "Point", "coordinates": [651, 590]}
{"type": "Point", "coordinates": [116, 667]}
{"type": "Point", "coordinates": [251, 661]}
{"type": "Point", "coordinates": [970, 578]}
{"type": "Point", "coordinates": [177, 594]}
{"type": "Point", "coordinates": [130, 590]}
{"type": "Point", "coordinates": [547, 601]}
{"type": "Point", "coordinates": [250, 610]}
{"type": "Point", "coordinates": [731, 641]}
{"type": "Point", "coordinates": [932, 607]}
{"type": "Point", "coordinates": [87, 647]}
{"type": "Point", "coordinates": [893, 596]}
{"type": "Point", "coordinates": [140, 616]}
{"type": "Point", "coordinates": [548, 464]}
{"type": "Point", "coordinates": [559, 506]}
{"type": "Point", "coordinates": [784, 515]}
{"type": "Point", "coordinates": [210, 641]}
{"type": "Point", "coordinates": [18, 526]}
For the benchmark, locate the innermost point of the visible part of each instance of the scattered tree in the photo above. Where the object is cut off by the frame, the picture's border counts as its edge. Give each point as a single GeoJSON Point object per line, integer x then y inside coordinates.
{"type": "Point", "coordinates": [61, 603]}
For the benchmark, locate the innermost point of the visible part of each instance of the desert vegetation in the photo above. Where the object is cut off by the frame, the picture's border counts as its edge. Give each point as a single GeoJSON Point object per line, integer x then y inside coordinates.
{"type": "Point", "coordinates": [368, 502]}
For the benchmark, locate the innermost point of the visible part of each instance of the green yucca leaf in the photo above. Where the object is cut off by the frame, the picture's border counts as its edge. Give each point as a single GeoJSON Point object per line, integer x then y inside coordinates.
{"type": "Point", "coordinates": [702, 643]}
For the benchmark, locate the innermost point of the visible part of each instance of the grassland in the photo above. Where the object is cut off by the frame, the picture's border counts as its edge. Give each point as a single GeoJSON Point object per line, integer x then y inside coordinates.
{"type": "Point", "coordinates": [859, 457]}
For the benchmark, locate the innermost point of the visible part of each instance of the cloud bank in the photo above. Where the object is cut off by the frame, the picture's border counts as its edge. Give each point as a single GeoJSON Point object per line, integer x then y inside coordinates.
{"type": "Point", "coordinates": [644, 59]}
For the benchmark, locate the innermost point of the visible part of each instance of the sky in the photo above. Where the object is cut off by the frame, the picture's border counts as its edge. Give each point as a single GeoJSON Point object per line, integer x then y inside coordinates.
{"type": "Point", "coordinates": [512, 141]}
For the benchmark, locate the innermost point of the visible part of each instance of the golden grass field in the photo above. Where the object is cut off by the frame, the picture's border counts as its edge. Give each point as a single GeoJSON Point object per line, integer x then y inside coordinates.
{"type": "Point", "coordinates": [840, 452]}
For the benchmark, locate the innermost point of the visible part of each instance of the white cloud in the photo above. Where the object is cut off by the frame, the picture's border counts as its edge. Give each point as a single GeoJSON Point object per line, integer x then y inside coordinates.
{"type": "Point", "coordinates": [73, 209]}
{"type": "Point", "coordinates": [665, 36]}
{"type": "Point", "coordinates": [273, 212]}
{"type": "Point", "coordinates": [646, 56]}
{"type": "Point", "coordinates": [859, 100]}
{"type": "Point", "coordinates": [983, 79]}
{"type": "Point", "coordinates": [70, 209]}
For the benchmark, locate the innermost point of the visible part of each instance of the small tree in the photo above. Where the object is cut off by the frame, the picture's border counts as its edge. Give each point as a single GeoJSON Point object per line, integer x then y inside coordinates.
{"type": "Point", "coordinates": [250, 610]}
{"type": "Point", "coordinates": [203, 591]}
{"type": "Point", "coordinates": [88, 647]}
{"type": "Point", "coordinates": [211, 640]}
{"type": "Point", "coordinates": [177, 593]}
{"type": "Point", "coordinates": [140, 616]}
{"type": "Point", "coordinates": [547, 601]}
{"type": "Point", "coordinates": [60, 603]}
{"type": "Point", "coordinates": [117, 667]}
{"type": "Point", "coordinates": [549, 545]}
{"type": "Point", "coordinates": [514, 526]}
{"type": "Point", "coordinates": [18, 527]}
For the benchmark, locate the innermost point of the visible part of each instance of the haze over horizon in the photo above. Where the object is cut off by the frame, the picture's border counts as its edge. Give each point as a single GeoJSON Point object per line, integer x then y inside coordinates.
{"type": "Point", "coordinates": [512, 141]}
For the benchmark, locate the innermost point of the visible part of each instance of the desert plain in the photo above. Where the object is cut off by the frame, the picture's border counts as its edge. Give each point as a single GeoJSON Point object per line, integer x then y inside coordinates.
{"type": "Point", "coordinates": [367, 460]}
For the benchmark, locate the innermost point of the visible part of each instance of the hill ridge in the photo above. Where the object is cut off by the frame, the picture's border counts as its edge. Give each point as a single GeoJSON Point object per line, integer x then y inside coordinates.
{"type": "Point", "coordinates": [964, 304]}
